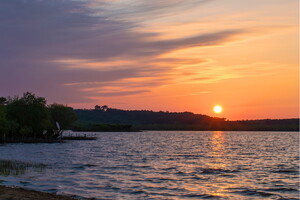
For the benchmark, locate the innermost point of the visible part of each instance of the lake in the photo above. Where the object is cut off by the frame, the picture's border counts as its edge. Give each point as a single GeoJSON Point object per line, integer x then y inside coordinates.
{"type": "Point", "coordinates": [160, 165]}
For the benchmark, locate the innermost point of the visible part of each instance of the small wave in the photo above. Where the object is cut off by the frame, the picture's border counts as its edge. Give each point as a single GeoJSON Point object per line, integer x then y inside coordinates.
{"type": "Point", "coordinates": [135, 192]}
{"type": "Point", "coordinates": [84, 166]}
{"type": "Point", "coordinates": [143, 167]}
{"type": "Point", "coordinates": [188, 156]}
{"type": "Point", "coordinates": [169, 189]}
{"type": "Point", "coordinates": [195, 177]}
{"type": "Point", "coordinates": [164, 194]}
{"type": "Point", "coordinates": [202, 196]}
{"type": "Point", "coordinates": [169, 168]}
{"type": "Point", "coordinates": [286, 171]}
{"type": "Point", "coordinates": [165, 179]}
{"type": "Point", "coordinates": [155, 180]}
{"type": "Point", "coordinates": [253, 192]}
{"type": "Point", "coordinates": [216, 171]}
{"type": "Point", "coordinates": [111, 187]}
{"type": "Point", "coordinates": [284, 189]}
{"type": "Point", "coordinates": [90, 165]}
{"type": "Point", "coordinates": [52, 190]}
{"type": "Point", "coordinates": [180, 173]}
{"type": "Point", "coordinates": [228, 175]}
{"type": "Point", "coordinates": [25, 183]}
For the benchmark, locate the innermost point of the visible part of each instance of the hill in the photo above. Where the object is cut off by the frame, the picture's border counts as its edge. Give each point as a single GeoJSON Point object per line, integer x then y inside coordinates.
{"type": "Point", "coordinates": [150, 120]}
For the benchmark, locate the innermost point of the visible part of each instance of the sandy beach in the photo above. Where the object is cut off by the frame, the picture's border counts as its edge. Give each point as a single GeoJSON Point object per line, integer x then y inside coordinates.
{"type": "Point", "coordinates": [14, 193]}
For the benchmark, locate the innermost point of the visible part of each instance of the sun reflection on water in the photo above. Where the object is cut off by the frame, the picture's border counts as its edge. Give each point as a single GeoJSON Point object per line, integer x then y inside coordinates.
{"type": "Point", "coordinates": [217, 187]}
{"type": "Point", "coordinates": [161, 165]}
{"type": "Point", "coordinates": [217, 143]}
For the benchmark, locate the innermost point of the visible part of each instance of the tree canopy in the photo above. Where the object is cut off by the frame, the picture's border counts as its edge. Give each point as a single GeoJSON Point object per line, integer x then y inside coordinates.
{"type": "Point", "coordinates": [30, 116]}
{"type": "Point", "coordinates": [62, 114]}
{"type": "Point", "coordinates": [30, 112]}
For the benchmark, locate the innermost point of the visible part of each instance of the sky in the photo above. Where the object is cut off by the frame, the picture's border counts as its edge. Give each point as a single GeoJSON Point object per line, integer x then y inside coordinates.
{"type": "Point", "coordinates": [175, 55]}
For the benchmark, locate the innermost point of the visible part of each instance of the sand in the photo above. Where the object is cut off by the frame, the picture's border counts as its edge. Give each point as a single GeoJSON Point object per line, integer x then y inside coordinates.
{"type": "Point", "coordinates": [14, 193]}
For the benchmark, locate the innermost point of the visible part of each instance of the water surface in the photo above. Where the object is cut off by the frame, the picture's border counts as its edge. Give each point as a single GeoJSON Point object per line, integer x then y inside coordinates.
{"type": "Point", "coordinates": [162, 165]}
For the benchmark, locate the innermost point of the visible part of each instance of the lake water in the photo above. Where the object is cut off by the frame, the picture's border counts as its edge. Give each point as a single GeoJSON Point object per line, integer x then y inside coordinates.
{"type": "Point", "coordinates": [161, 165]}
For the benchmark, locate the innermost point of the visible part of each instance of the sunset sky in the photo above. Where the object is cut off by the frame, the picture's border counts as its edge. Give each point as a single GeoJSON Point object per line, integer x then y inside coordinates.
{"type": "Point", "coordinates": [172, 55]}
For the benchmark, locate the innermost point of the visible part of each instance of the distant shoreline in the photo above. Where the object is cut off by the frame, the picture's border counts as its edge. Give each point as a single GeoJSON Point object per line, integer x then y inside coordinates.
{"type": "Point", "coordinates": [113, 119]}
{"type": "Point", "coordinates": [68, 138]}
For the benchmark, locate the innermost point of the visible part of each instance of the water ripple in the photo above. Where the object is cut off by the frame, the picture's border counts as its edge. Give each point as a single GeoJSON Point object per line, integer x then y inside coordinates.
{"type": "Point", "coordinates": [161, 165]}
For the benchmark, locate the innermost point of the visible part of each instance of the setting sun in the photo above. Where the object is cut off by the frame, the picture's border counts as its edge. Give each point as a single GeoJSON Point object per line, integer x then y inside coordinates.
{"type": "Point", "coordinates": [218, 109]}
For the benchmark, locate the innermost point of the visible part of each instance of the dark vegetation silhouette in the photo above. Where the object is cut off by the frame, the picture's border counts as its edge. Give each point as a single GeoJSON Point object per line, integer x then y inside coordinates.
{"type": "Point", "coordinates": [30, 118]}
{"type": "Point", "coordinates": [150, 120]}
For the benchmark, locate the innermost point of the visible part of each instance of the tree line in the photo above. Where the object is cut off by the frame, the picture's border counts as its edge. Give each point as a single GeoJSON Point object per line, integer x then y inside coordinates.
{"type": "Point", "coordinates": [30, 116]}
{"type": "Point", "coordinates": [151, 120]}
{"type": "Point", "coordinates": [133, 117]}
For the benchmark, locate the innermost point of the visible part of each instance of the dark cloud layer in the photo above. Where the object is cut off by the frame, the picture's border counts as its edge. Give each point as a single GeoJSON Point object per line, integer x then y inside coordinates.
{"type": "Point", "coordinates": [34, 33]}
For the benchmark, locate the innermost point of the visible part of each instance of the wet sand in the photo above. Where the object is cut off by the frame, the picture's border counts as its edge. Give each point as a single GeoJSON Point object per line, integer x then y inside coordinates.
{"type": "Point", "coordinates": [15, 193]}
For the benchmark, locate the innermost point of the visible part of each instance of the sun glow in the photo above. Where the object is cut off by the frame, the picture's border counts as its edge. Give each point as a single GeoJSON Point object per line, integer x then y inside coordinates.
{"type": "Point", "coordinates": [218, 109]}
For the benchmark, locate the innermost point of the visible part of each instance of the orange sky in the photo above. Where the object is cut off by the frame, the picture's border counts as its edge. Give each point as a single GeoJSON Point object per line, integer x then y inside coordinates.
{"type": "Point", "coordinates": [172, 56]}
{"type": "Point", "coordinates": [253, 74]}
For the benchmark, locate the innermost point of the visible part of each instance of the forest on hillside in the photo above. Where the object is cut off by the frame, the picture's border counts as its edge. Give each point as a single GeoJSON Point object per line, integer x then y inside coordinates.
{"type": "Point", "coordinates": [150, 120]}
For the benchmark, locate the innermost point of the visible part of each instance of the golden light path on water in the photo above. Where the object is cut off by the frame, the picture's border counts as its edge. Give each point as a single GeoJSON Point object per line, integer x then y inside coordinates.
{"type": "Point", "coordinates": [218, 187]}
{"type": "Point", "coordinates": [217, 151]}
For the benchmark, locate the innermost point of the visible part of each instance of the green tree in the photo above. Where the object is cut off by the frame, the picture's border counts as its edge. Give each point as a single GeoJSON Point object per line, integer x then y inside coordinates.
{"type": "Point", "coordinates": [3, 100]}
{"type": "Point", "coordinates": [3, 123]}
{"type": "Point", "coordinates": [62, 114]}
{"type": "Point", "coordinates": [30, 113]}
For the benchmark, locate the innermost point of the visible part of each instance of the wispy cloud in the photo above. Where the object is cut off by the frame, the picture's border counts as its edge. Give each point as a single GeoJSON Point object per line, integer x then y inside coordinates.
{"type": "Point", "coordinates": [73, 50]}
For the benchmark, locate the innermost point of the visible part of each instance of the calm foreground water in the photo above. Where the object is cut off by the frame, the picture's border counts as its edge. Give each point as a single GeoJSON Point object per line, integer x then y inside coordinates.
{"type": "Point", "coordinates": [160, 165]}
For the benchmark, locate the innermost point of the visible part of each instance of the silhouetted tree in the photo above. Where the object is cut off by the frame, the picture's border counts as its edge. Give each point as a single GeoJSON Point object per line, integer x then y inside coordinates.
{"type": "Point", "coordinates": [30, 113]}
{"type": "Point", "coordinates": [3, 123]}
{"type": "Point", "coordinates": [3, 100]}
{"type": "Point", "coordinates": [62, 114]}
{"type": "Point", "coordinates": [104, 108]}
{"type": "Point", "coordinates": [97, 107]}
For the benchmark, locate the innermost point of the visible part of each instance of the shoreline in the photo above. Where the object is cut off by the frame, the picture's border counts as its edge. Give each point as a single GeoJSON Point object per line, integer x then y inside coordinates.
{"type": "Point", "coordinates": [18, 193]}
{"type": "Point", "coordinates": [45, 140]}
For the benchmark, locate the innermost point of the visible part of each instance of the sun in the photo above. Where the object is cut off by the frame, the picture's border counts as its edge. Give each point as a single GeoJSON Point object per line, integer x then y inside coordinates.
{"type": "Point", "coordinates": [218, 109]}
